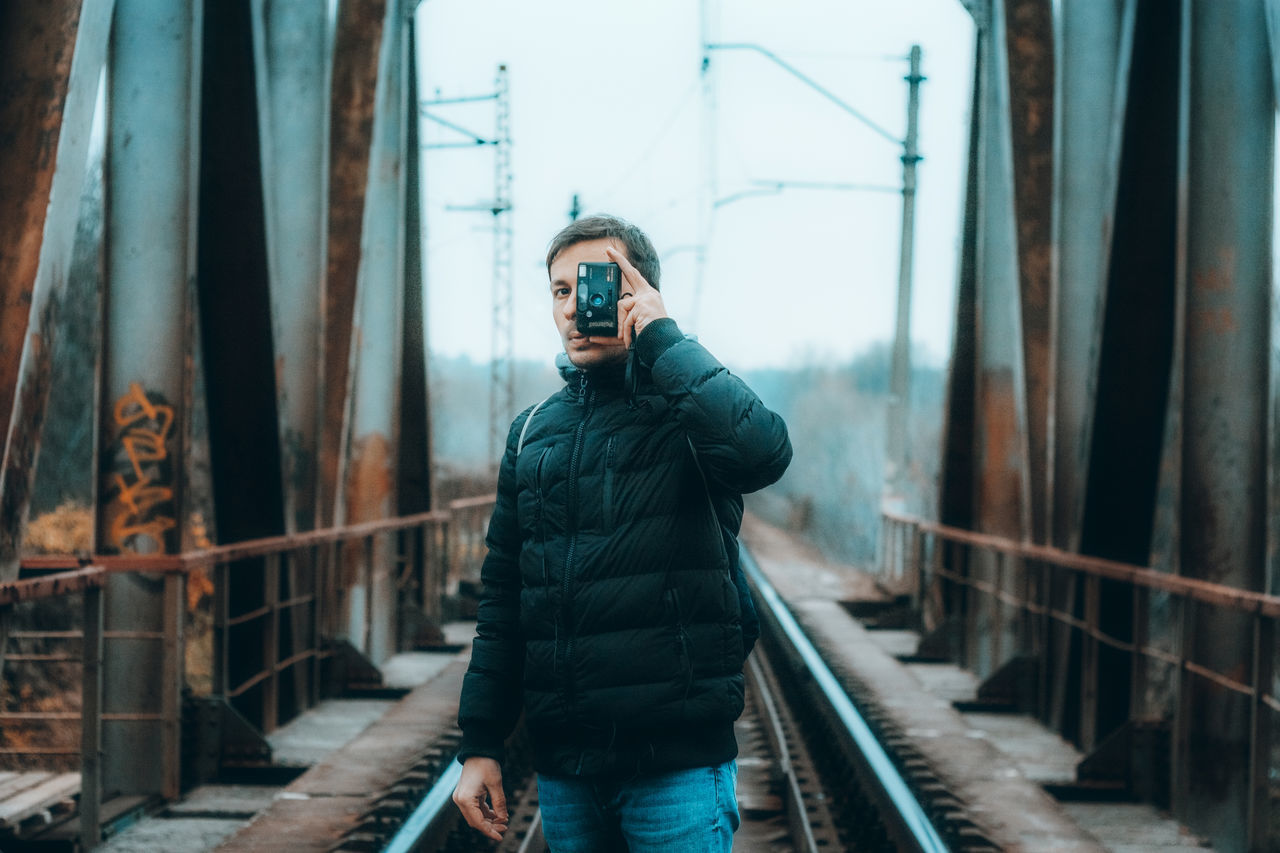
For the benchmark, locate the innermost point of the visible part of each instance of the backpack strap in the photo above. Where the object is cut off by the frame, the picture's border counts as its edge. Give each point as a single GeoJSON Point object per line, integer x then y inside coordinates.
{"type": "Point", "coordinates": [525, 429]}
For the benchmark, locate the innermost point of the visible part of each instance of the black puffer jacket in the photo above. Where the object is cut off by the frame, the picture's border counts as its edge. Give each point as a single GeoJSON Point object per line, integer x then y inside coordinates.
{"type": "Point", "coordinates": [611, 613]}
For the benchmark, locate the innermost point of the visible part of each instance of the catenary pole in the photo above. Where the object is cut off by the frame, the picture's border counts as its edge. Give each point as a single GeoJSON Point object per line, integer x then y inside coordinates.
{"type": "Point", "coordinates": [895, 485]}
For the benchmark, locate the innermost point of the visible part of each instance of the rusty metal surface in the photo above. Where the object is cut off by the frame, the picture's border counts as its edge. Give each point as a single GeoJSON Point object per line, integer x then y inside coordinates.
{"type": "Point", "coordinates": [1001, 494]}
{"type": "Point", "coordinates": [1221, 595]}
{"type": "Point", "coordinates": [1029, 41]}
{"type": "Point", "coordinates": [358, 42]}
{"type": "Point", "coordinates": [37, 42]}
{"type": "Point", "coordinates": [1195, 674]}
{"type": "Point", "coordinates": [370, 488]}
{"type": "Point", "coordinates": [69, 144]}
{"type": "Point", "coordinates": [62, 583]}
{"type": "Point", "coordinates": [1223, 527]}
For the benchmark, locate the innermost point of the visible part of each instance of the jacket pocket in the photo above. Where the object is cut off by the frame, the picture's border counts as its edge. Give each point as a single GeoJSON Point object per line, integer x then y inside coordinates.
{"type": "Point", "coordinates": [609, 468]}
{"type": "Point", "coordinates": [671, 602]}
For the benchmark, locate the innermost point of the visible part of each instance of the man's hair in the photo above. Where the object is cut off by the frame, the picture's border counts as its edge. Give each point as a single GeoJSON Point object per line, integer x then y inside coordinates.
{"type": "Point", "coordinates": [639, 250]}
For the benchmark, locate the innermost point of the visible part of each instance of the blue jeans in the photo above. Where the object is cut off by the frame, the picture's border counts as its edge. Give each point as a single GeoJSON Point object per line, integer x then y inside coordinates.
{"type": "Point", "coordinates": [685, 811]}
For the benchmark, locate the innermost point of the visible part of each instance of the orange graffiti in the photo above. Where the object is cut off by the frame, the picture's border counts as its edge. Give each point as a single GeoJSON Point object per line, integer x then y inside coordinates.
{"type": "Point", "coordinates": [134, 518]}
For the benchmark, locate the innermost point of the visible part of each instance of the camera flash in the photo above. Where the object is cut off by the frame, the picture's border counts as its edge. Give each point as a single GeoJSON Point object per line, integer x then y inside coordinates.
{"type": "Point", "coordinates": [582, 270]}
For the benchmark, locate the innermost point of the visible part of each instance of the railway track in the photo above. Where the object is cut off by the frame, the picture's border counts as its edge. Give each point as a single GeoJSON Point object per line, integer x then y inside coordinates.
{"type": "Point", "coordinates": [814, 774]}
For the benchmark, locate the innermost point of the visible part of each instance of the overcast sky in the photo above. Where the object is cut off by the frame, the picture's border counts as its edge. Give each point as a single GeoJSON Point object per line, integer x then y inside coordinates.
{"type": "Point", "coordinates": [607, 101]}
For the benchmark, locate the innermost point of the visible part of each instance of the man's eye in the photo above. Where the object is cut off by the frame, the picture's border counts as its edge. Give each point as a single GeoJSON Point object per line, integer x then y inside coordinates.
{"type": "Point", "coordinates": [561, 291]}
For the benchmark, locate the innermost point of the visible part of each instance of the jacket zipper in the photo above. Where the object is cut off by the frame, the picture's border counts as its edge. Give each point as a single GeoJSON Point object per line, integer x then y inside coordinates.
{"type": "Point", "coordinates": [572, 506]}
{"type": "Point", "coordinates": [542, 509]}
{"type": "Point", "coordinates": [608, 484]}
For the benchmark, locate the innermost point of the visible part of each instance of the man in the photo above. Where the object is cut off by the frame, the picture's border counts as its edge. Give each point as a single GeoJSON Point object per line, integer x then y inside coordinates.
{"type": "Point", "coordinates": [614, 609]}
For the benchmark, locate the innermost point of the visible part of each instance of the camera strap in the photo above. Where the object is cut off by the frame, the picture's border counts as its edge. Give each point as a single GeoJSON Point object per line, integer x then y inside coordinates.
{"type": "Point", "coordinates": [631, 380]}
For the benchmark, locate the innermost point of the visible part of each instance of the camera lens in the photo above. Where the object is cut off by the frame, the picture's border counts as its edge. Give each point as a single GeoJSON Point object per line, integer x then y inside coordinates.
{"type": "Point", "coordinates": [597, 299]}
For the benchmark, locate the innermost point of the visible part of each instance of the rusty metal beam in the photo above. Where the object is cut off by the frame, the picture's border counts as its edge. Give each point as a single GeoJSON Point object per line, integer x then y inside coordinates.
{"type": "Point", "coordinates": [291, 62]}
{"type": "Point", "coordinates": [357, 45]}
{"type": "Point", "coordinates": [51, 57]}
{"type": "Point", "coordinates": [370, 491]}
{"type": "Point", "coordinates": [1029, 41]}
{"type": "Point", "coordinates": [37, 44]}
{"type": "Point", "coordinates": [414, 448]}
{"type": "Point", "coordinates": [955, 494]}
{"type": "Point", "coordinates": [1229, 173]}
{"type": "Point", "coordinates": [49, 586]}
{"type": "Point", "coordinates": [1001, 484]}
{"type": "Point", "coordinates": [1134, 358]}
{"type": "Point", "coordinates": [1001, 487]}
{"type": "Point", "coordinates": [1093, 58]}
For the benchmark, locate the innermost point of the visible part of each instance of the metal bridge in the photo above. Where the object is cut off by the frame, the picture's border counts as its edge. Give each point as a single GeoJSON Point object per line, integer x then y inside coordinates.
{"type": "Point", "coordinates": [240, 339]}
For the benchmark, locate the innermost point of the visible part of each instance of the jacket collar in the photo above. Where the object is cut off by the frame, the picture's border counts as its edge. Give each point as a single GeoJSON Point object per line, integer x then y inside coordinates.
{"type": "Point", "coordinates": [610, 378]}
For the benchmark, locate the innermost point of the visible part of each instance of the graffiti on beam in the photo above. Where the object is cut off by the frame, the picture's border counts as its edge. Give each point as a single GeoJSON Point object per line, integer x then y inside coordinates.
{"type": "Point", "coordinates": [140, 504]}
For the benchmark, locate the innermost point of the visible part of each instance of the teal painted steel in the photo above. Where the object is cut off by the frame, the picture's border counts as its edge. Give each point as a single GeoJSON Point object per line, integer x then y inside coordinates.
{"type": "Point", "coordinates": [150, 222]}
{"type": "Point", "coordinates": [1092, 55]}
{"type": "Point", "coordinates": [292, 61]}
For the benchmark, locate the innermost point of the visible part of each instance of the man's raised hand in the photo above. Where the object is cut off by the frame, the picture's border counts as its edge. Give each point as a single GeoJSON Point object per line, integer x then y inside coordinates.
{"type": "Point", "coordinates": [639, 304]}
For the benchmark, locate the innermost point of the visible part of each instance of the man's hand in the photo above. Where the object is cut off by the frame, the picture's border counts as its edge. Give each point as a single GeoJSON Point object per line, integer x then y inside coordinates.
{"type": "Point", "coordinates": [480, 798]}
{"type": "Point", "coordinates": [640, 304]}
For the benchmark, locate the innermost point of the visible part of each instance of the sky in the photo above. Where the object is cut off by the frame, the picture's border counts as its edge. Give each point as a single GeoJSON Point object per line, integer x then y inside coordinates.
{"type": "Point", "coordinates": [608, 101]}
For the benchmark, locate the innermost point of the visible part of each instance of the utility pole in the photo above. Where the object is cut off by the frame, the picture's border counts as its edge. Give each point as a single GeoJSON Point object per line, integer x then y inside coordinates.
{"type": "Point", "coordinates": [502, 385]}
{"type": "Point", "coordinates": [575, 209]}
{"type": "Point", "coordinates": [894, 490]}
{"type": "Point", "coordinates": [502, 380]}
{"type": "Point", "coordinates": [895, 485]}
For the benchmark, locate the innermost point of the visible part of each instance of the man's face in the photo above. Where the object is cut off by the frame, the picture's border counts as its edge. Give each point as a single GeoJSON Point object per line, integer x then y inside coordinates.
{"type": "Point", "coordinates": [584, 352]}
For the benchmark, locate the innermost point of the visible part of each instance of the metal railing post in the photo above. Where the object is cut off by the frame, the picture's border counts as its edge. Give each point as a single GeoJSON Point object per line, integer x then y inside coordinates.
{"type": "Point", "coordinates": [318, 574]}
{"type": "Point", "coordinates": [1138, 662]}
{"type": "Point", "coordinates": [1260, 725]}
{"type": "Point", "coordinates": [915, 571]}
{"type": "Point", "coordinates": [171, 690]}
{"type": "Point", "coordinates": [1089, 665]}
{"type": "Point", "coordinates": [221, 631]}
{"type": "Point", "coordinates": [997, 612]}
{"type": "Point", "coordinates": [271, 642]}
{"type": "Point", "coordinates": [1180, 738]}
{"type": "Point", "coordinates": [91, 721]}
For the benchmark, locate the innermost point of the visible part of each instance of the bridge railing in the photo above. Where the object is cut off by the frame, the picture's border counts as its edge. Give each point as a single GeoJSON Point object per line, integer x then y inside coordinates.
{"type": "Point", "coordinates": [278, 605]}
{"type": "Point", "coordinates": [987, 601]}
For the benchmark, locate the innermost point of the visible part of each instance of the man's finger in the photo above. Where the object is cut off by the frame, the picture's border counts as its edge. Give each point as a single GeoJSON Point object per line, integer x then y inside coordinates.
{"type": "Point", "coordinates": [629, 273]}
{"type": "Point", "coordinates": [480, 817]}
{"type": "Point", "coordinates": [499, 799]}
{"type": "Point", "coordinates": [624, 324]}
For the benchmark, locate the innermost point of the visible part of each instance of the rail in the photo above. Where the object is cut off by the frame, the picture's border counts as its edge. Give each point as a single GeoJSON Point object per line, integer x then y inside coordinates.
{"type": "Point", "coordinates": [904, 819]}
{"type": "Point", "coordinates": [277, 603]}
{"type": "Point", "coordinates": [908, 827]}
{"type": "Point", "coordinates": [998, 598]}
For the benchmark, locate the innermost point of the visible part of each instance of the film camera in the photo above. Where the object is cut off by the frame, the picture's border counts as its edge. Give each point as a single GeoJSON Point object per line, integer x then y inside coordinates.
{"type": "Point", "coordinates": [598, 299]}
